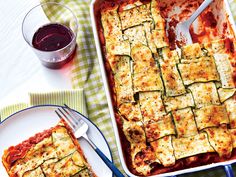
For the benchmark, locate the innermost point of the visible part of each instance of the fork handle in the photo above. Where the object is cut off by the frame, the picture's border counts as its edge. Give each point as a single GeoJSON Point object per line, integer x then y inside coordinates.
{"type": "Point", "coordinates": [201, 8]}
{"type": "Point", "coordinates": [229, 171]}
{"type": "Point", "coordinates": [113, 168]}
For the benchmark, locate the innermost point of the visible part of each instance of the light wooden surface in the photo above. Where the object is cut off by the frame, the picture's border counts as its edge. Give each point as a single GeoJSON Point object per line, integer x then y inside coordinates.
{"type": "Point", "coordinates": [20, 69]}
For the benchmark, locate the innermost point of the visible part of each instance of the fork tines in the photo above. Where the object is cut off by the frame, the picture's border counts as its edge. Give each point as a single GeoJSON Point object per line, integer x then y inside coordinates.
{"type": "Point", "coordinates": [66, 113]}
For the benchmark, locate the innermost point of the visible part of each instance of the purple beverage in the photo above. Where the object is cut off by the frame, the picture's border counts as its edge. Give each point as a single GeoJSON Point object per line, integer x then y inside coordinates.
{"type": "Point", "coordinates": [53, 37]}
{"type": "Point", "coordinates": [53, 43]}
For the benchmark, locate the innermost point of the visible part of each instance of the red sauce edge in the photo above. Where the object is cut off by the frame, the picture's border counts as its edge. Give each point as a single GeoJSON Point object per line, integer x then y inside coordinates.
{"type": "Point", "coordinates": [17, 152]}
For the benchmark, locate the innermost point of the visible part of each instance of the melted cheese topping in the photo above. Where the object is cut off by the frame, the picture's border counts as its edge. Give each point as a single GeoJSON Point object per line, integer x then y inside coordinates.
{"type": "Point", "coordinates": [192, 51]}
{"type": "Point", "coordinates": [63, 143]}
{"type": "Point", "coordinates": [233, 136]}
{"type": "Point", "coordinates": [196, 60]}
{"type": "Point", "coordinates": [118, 48]}
{"type": "Point", "coordinates": [37, 172]}
{"type": "Point", "coordinates": [202, 71]}
{"type": "Point", "coordinates": [113, 61]}
{"type": "Point", "coordinates": [230, 105]}
{"type": "Point", "coordinates": [142, 53]}
{"type": "Point", "coordinates": [225, 70]}
{"type": "Point", "coordinates": [53, 156]}
{"type": "Point", "coordinates": [211, 116]}
{"type": "Point", "coordinates": [84, 173]}
{"type": "Point", "coordinates": [135, 148]}
{"type": "Point", "coordinates": [208, 48]}
{"type": "Point", "coordinates": [135, 16]}
{"type": "Point", "coordinates": [178, 102]}
{"type": "Point", "coordinates": [164, 150]}
{"type": "Point", "coordinates": [63, 167]}
{"type": "Point", "coordinates": [156, 15]}
{"type": "Point", "coordinates": [225, 94]}
{"type": "Point", "coordinates": [172, 80]}
{"type": "Point", "coordinates": [158, 129]}
{"type": "Point", "coordinates": [160, 39]}
{"type": "Point", "coordinates": [220, 140]}
{"type": "Point", "coordinates": [78, 159]}
{"type": "Point", "coordinates": [115, 44]}
{"type": "Point", "coordinates": [146, 75]}
{"type": "Point", "coordinates": [151, 106]}
{"type": "Point", "coordinates": [42, 151]}
{"type": "Point", "coordinates": [49, 164]}
{"type": "Point", "coordinates": [185, 123]}
{"type": "Point", "coordinates": [170, 56]}
{"type": "Point", "coordinates": [136, 35]}
{"type": "Point", "coordinates": [204, 94]}
{"type": "Point", "coordinates": [134, 132]}
{"type": "Point", "coordinates": [123, 81]}
{"type": "Point", "coordinates": [142, 157]}
{"type": "Point", "coordinates": [130, 111]}
{"type": "Point", "coordinates": [218, 46]}
{"type": "Point", "coordinates": [130, 5]}
{"type": "Point", "coordinates": [186, 147]}
{"type": "Point", "coordinates": [148, 26]}
{"type": "Point", "coordinates": [111, 24]}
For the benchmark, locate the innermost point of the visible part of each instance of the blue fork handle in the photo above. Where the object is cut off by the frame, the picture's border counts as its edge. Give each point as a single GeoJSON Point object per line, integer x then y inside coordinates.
{"type": "Point", "coordinates": [229, 171]}
{"type": "Point", "coordinates": [113, 168]}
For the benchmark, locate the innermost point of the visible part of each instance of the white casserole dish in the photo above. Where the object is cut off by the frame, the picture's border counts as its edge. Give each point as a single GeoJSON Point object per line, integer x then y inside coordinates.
{"type": "Point", "coordinates": [223, 12]}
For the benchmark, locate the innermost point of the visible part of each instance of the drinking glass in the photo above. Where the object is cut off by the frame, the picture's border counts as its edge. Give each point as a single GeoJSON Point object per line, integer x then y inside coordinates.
{"type": "Point", "coordinates": [37, 26]}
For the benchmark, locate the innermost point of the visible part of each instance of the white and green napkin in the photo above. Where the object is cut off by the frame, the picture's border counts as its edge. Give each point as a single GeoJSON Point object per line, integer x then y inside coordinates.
{"type": "Point", "coordinates": [73, 98]}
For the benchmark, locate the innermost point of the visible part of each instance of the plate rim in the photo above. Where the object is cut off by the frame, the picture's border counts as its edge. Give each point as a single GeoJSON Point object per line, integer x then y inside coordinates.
{"type": "Point", "coordinates": [55, 105]}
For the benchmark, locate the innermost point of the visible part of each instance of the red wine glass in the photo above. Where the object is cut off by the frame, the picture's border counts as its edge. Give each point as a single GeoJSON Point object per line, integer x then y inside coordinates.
{"type": "Point", "coordinates": [54, 40]}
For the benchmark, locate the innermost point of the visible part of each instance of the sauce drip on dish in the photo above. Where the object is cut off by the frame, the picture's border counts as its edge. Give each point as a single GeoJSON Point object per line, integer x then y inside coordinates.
{"type": "Point", "coordinates": [208, 26]}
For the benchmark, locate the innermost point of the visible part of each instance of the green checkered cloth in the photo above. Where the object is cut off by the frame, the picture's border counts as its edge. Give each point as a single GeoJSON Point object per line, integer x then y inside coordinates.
{"type": "Point", "coordinates": [86, 74]}
{"type": "Point", "coordinates": [232, 4]}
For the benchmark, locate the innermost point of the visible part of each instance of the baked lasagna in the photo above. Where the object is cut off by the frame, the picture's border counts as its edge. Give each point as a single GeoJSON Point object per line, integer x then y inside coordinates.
{"type": "Point", "coordinates": [175, 109]}
{"type": "Point", "coordinates": [52, 153]}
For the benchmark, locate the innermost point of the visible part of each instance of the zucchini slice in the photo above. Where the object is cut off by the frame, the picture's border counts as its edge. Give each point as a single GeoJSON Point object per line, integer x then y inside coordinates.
{"type": "Point", "coordinates": [204, 94]}
{"type": "Point", "coordinates": [164, 150]}
{"type": "Point", "coordinates": [220, 140]}
{"type": "Point", "coordinates": [193, 145]}
{"type": "Point", "coordinates": [185, 123]}
{"type": "Point", "coordinates": [211, 116]}
{"type": "Point", "coordinates": [146, 76]}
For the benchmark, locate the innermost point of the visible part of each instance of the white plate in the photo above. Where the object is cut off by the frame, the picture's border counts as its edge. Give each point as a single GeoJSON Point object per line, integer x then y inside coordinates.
{"type": "Point", "coordinates": [25, 123]}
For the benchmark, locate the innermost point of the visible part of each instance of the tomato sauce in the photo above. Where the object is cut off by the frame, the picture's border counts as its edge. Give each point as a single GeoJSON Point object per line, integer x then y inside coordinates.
{"type": "Point", "coordinates": [209, 19]}
{"type": "Point", "coordinates": [229, 45]}
{"type": "Point", "coordinates": [17, 152]}
{"type": "Point", "coordinates": [171, 33]}
{"type": "Point", "coordinates": [207, 27]}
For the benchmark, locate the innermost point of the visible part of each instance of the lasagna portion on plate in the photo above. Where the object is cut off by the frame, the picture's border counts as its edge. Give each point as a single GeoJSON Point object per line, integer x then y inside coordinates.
{"type": "Point", "coordinates": [175, 109]}
{"type": "Point", "coordinates": [52, 153]}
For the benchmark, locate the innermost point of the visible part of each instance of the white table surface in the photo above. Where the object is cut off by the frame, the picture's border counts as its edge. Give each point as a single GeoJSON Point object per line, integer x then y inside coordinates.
{"type": "Point", "coordinates": [20, 70]}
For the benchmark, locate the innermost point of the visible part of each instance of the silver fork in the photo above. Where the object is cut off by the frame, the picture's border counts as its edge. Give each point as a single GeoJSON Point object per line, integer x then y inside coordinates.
{"type": "Point", "coordinates": [80, 128]}
{"type": "Point", "coordinates": [182, 28]}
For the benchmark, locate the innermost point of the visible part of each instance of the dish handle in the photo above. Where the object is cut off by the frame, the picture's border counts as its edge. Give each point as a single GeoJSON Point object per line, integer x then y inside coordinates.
{"type": "Point", "coordinates": [229, 171]}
